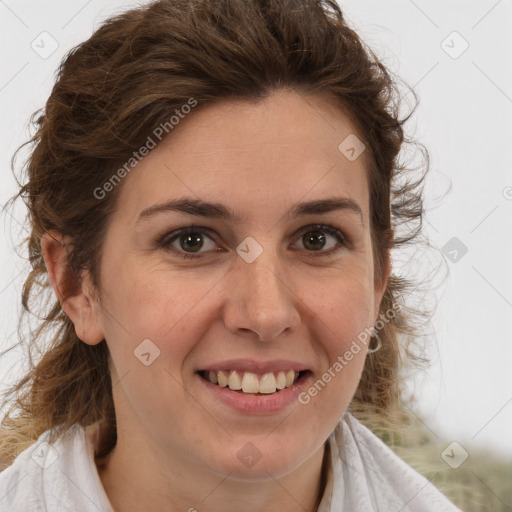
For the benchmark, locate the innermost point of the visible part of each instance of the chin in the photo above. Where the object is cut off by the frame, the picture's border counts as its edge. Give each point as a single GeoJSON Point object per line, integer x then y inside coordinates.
{"type": "Point", "coordinates": [251, 461]}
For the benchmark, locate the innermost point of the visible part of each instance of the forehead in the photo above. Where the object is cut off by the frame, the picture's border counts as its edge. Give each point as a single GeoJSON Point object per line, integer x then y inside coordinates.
{"type": "Point", "coordinates": [248, 154]}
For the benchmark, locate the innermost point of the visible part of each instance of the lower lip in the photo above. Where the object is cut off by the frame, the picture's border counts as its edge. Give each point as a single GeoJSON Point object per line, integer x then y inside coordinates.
{"type": "Point", "coordinates": [258, 404]}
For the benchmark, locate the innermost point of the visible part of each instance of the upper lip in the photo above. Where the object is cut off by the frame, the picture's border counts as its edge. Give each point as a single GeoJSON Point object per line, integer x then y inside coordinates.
{"type": "Point", "coordinates": [253, 366]}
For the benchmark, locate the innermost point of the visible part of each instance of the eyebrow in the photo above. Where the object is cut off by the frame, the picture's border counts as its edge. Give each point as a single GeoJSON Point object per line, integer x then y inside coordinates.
{"type": "Point", "coordinates": [201, 208]}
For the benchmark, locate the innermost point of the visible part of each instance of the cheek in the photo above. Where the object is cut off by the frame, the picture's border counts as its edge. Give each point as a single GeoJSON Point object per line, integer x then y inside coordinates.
{"type": "Point", "coordinates": [343, 300]}
{"type": "Point", "coordinates": [343, 315]}
{"type": "Point", "coordinates": [162, 305]}
{"type": "Point", "coordinates": [343, 325]}
{"type": "Point", "coordinates": [343, 312]}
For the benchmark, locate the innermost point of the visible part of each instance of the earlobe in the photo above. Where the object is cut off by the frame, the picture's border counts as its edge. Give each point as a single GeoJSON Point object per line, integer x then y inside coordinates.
{"type": "Point", "coordinates": [72, 292]}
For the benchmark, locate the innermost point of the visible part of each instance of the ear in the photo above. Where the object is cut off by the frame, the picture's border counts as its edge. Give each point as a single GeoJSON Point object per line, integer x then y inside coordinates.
{"type": "Point", "coordinates": [74, 292]}
{"type": "Point", "coordinates": [381, 285]}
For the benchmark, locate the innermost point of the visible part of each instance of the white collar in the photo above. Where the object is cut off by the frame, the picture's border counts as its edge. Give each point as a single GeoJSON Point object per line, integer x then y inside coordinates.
{"type": "Point", "coordinates": [363, 474]}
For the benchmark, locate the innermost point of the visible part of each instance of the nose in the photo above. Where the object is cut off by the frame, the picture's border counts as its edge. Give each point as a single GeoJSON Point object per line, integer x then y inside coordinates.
{"type": "Point", "coordinates": [260, 301]}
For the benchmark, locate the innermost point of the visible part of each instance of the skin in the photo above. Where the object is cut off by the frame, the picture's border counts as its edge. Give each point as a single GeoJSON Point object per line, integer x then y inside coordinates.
{"type": "Point", "coordinates": [174, 442]}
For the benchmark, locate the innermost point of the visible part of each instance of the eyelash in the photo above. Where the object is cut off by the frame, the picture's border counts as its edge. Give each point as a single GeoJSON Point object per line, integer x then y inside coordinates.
{"type": "Point", "coordinates": [166, 240]}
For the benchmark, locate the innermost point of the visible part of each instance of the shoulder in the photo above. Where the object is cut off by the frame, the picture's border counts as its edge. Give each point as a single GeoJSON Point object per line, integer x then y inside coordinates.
{"type": "Point", "coordinates": [57, 476]}
{"type": "Point", "coordinates": [368, 475]}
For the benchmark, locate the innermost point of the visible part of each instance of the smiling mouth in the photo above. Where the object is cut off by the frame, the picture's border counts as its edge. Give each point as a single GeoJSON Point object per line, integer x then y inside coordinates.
{"type": "Point", "coordinates": [253, 383]}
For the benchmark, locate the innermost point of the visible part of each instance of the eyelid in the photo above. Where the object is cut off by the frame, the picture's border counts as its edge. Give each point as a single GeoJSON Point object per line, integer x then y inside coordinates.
{"type": "Point", "coordinates": [168, 238]}
{"type": "Point", "coordinates": [165, 241]}
{"type": "Point", "coordinates": [323, 227]}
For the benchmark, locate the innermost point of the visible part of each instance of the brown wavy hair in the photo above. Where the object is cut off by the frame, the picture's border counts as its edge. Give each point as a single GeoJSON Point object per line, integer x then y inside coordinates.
{"type": "Point", "coordinates": [111, 92]}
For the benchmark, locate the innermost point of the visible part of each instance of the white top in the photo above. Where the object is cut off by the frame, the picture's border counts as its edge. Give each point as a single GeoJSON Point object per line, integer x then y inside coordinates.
{"type": "Point", "coordinates": [364, 475]}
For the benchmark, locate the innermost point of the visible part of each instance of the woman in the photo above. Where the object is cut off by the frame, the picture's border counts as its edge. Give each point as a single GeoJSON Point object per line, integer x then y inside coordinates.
{"type": "Point", "coordinates": [214, 192]}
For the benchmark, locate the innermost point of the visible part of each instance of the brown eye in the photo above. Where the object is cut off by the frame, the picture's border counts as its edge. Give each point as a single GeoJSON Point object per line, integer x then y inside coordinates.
{"type": "Point", "coordinates": [188, 242]}
{"type": "Point", "coordinates": [193, 242]}
{"type": "Point", "coordinates": [314, 240]}
{"type": "Point", "coordinates": [322, 239]}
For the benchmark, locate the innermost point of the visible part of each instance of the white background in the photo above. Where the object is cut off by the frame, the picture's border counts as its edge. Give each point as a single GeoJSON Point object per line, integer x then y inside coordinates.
{"type": "Point", "coordinates": [465, 120]}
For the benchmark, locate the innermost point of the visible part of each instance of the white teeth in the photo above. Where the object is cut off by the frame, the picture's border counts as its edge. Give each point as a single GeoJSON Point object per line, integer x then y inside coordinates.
{"type": "Point", "coordinates": [250, 383]}
{"type": "Point", "coordinates": [267, 384]}
{"type": "Point", "coordinates": [222, 379]}
{"type": "Point", "coordinates": [281, 380]}
{"type": "Point", "coordinates": [234, 381]}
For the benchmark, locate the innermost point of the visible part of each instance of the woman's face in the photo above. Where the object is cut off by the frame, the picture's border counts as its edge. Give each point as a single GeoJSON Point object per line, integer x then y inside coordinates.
{"type": "Point", "coordinates": [255, 288]}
